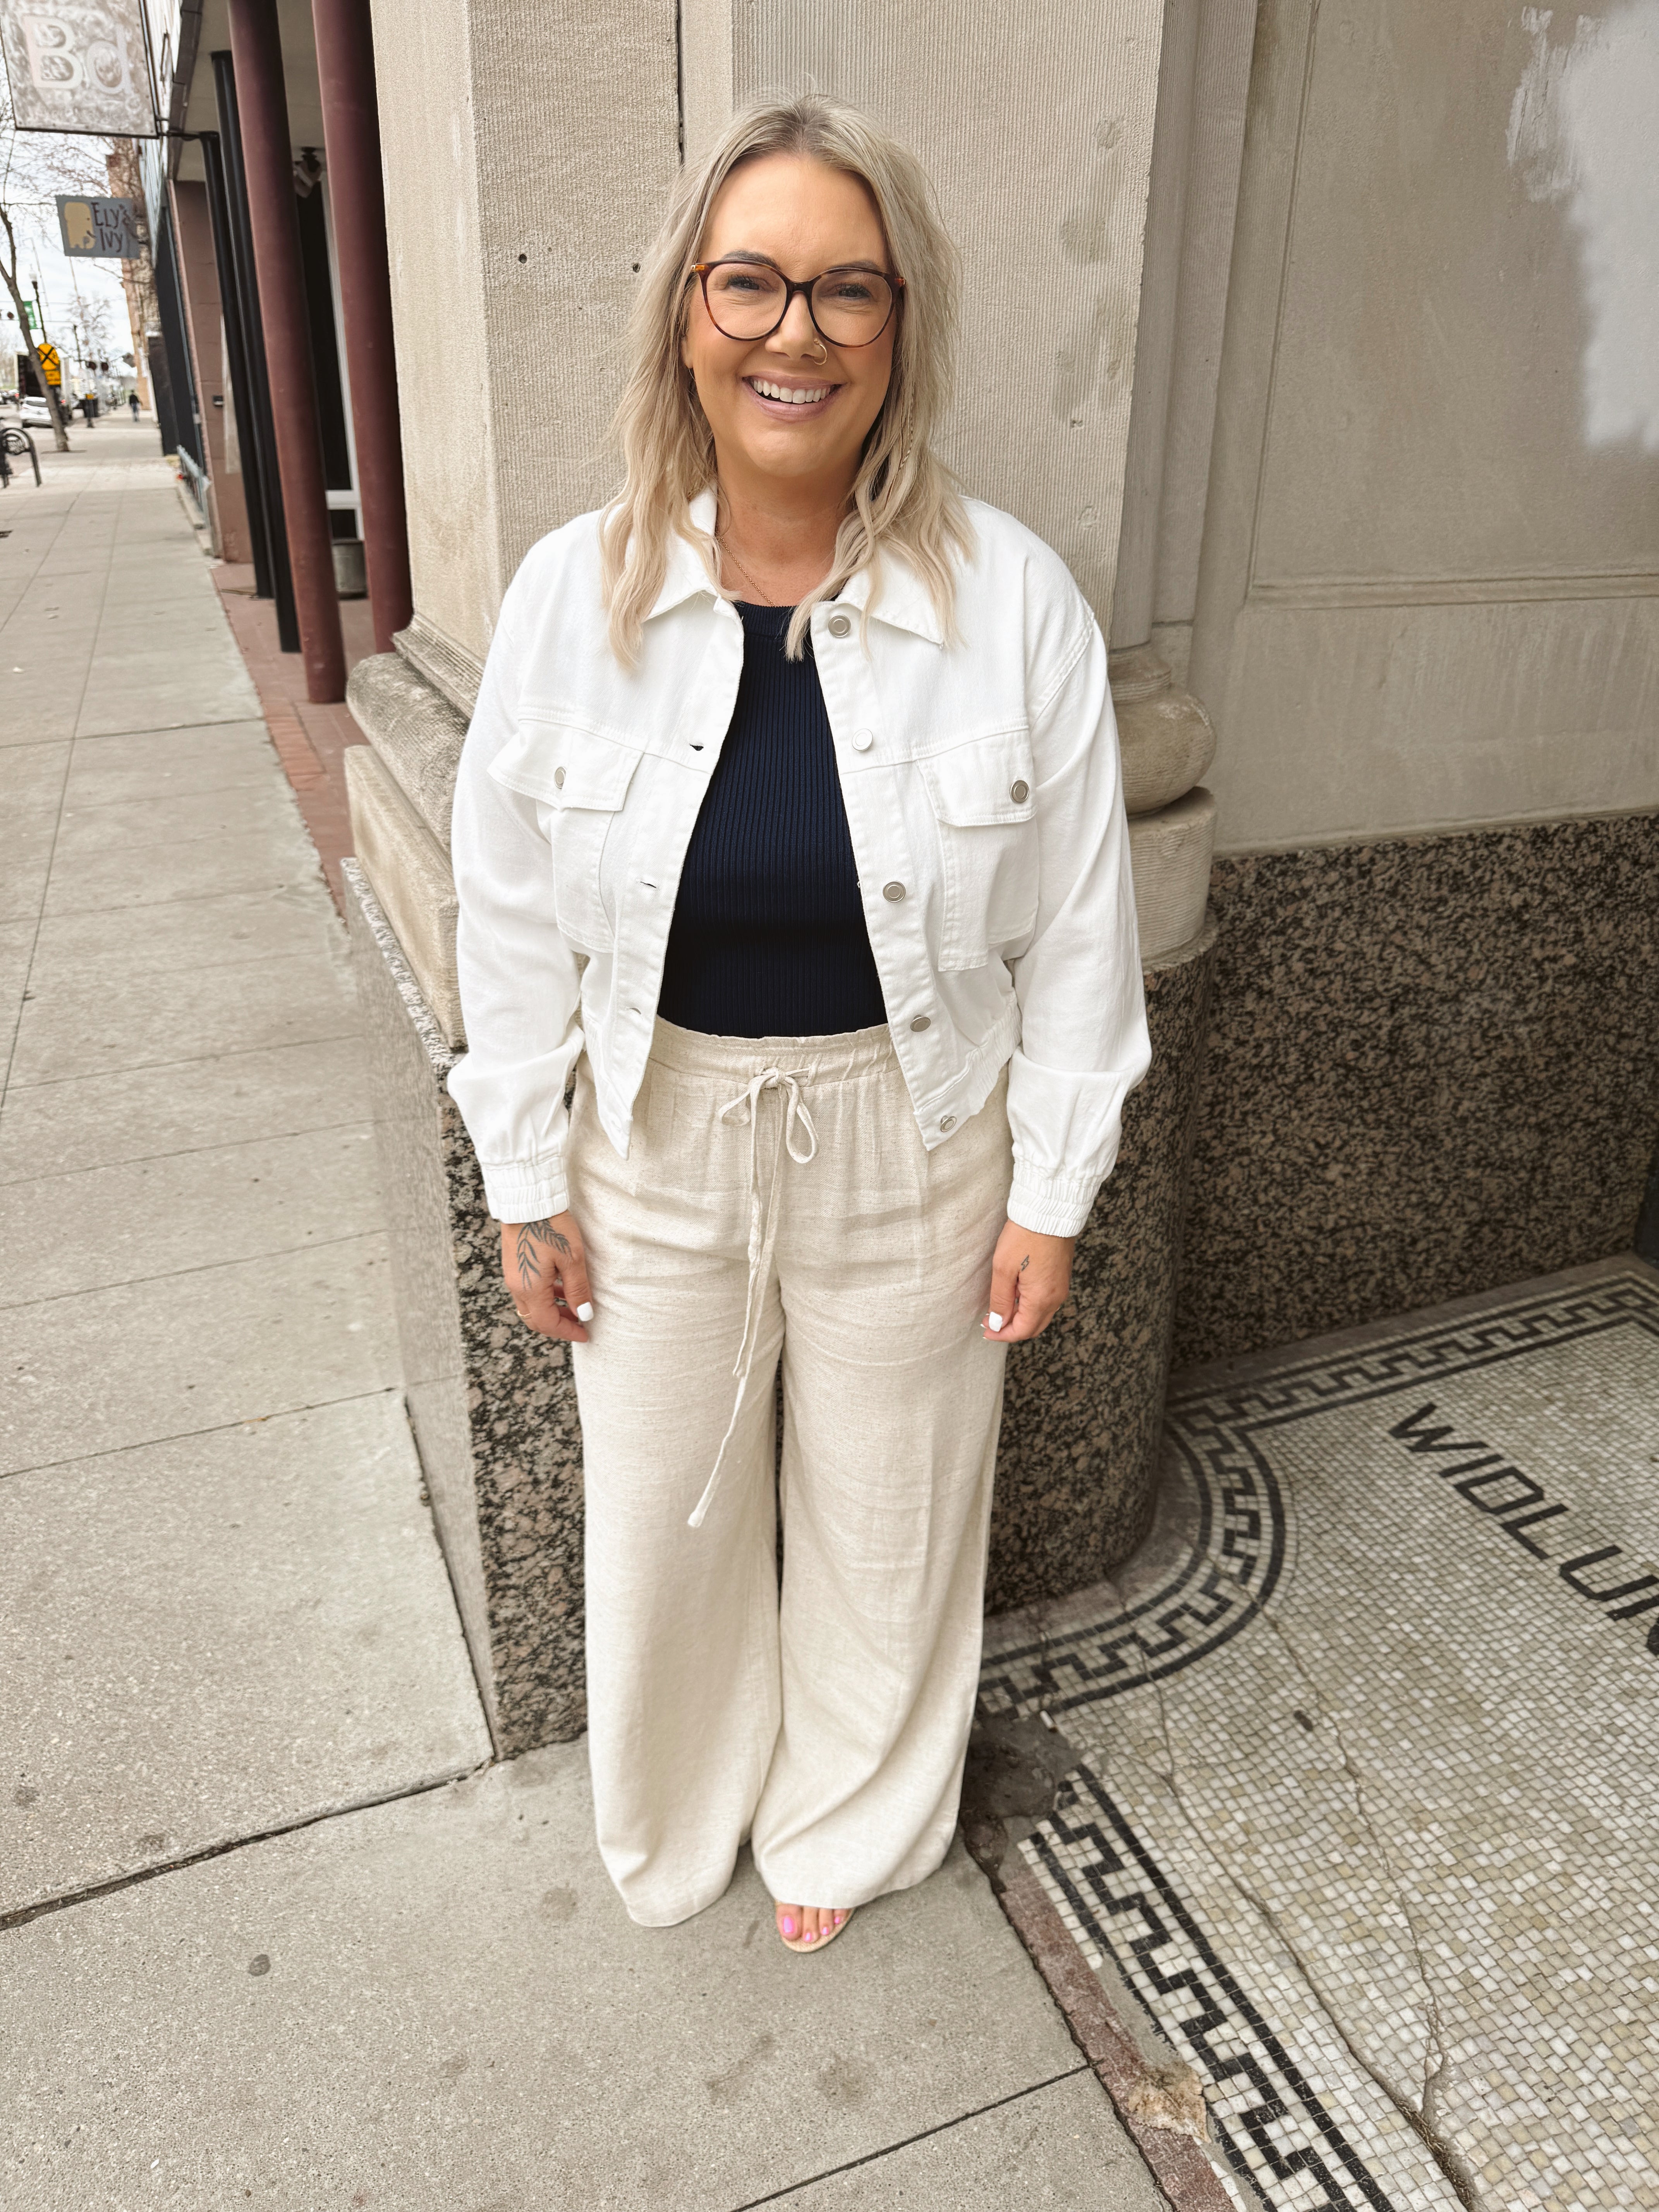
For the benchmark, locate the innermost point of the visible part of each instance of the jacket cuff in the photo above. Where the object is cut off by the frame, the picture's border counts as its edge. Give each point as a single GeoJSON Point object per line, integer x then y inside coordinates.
{"type": "Point", "coordinates": [1051, 1205]}
{"type": "Point", "coordinates": [527, 1190]}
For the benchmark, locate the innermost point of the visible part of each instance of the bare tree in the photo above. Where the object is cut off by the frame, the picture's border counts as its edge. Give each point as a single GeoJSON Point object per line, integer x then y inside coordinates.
{"type": "Point", "coordinates": [93, 319]}
{"type": "Point", "coordinates": [34, 165]}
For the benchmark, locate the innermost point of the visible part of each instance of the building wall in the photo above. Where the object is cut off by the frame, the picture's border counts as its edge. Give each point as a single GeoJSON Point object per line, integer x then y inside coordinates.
{"type": "Point", "coordinates": [1432, 1068]}
{"type": "Point", "coordinates": [1426, 614]}
{"type": "Point", "coordinates": [1431, 555]}
{"type": "Point", "coordinates": [574, 183]}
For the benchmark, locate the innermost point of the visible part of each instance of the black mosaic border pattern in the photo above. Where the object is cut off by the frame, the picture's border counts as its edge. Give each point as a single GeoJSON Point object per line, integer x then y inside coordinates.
{"type": "Point", "coordinates": [1232, 1568]}
{"type": "Point", "coordinates": [1239, 1550]}
{"type": "Point", "coordinates": [1483, 1340]}
{"type": "Point", "coordinates": [1135, 1918]}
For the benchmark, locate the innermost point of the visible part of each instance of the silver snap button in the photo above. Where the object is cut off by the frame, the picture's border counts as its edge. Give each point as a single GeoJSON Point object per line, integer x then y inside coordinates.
{"type": "Point", "coordinates": [922, 1022]}
{"type": "Point", "coordinates": [892, 890]}
{"type": "Point", "coordinates": [1020, 793]}
{"type": "Point", "coordinates": [558, 778]}
{"type": "Point", "coordinates": [862, 740]}
{"type": "Point", "coordinates": [840, 626]}
{"type": "Point", "coordinates": [946, 1121]}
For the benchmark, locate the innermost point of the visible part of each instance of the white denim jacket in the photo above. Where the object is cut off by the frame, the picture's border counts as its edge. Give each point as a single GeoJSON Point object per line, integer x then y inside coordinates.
{"type": "Point", "coordinates": [985, 802]}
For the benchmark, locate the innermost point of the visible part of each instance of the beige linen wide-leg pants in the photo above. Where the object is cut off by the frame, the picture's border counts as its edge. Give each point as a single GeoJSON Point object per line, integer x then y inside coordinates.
{"type": "Point", "coordinates": [777, 1199]}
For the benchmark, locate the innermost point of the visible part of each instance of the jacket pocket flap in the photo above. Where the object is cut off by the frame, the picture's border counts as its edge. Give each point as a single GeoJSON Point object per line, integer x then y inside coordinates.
{"type": "Point", "coordinates": [566, 765]}
{"type": "Point", "coordinates": [986, 781]}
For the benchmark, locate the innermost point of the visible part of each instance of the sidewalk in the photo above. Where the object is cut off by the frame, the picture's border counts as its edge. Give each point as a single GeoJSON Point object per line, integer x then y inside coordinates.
{"type": "Point", "coordinates": [273, 1927]}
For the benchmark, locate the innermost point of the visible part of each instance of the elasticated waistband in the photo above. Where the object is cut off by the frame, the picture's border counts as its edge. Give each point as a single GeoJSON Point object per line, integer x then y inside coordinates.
{"type": "Point", "coordinates": [813, 1059]}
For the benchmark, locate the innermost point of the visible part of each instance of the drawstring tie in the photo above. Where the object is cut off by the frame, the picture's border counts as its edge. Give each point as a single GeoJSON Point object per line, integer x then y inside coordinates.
{"type": "Point", "coordinates": [763, 1231]}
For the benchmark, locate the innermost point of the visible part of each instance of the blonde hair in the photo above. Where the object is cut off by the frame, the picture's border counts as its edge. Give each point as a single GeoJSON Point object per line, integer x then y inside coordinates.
{"type": "Point", "coordinates": [902, 495]}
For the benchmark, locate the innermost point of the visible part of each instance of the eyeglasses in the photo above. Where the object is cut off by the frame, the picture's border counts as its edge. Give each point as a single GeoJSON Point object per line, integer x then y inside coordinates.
{"type": "Point", "coordinates": [750, 300]}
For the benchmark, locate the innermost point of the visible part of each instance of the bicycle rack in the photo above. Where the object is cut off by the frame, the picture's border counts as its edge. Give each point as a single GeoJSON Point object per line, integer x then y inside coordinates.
{"type": "Point", "coordinates": [17, 441]}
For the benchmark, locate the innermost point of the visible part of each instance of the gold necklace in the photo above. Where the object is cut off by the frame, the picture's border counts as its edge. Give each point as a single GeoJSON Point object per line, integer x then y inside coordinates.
{"type": "Point", "coordinates": [727, 551]}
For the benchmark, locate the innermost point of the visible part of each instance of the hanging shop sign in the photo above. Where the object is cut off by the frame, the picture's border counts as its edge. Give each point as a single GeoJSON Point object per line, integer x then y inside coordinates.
{"type": "Point", "coordinates": [108, 229]}
{"type": "Point", "coordinates": [78, 65]}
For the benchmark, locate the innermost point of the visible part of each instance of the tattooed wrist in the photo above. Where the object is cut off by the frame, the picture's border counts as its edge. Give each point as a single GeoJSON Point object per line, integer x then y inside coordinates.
{"type": "Point", "coordinates": [532, 1239]}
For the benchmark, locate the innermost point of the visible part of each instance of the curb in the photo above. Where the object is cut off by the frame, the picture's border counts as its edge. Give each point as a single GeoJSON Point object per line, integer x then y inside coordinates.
{"type": "Point", "coordinates": [1148, 2101]}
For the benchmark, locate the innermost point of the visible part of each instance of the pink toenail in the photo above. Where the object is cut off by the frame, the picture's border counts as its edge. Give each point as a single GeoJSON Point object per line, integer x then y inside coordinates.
{"type": "Point", "coordinates": [809, 1939]}
{"type": "Point", "coordinates": [840, 1916]}
{"type": "Point", "coordinates": [788, 1925]}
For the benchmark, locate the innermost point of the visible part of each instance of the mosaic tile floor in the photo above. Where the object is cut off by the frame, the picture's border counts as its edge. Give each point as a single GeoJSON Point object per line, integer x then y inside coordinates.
{"type": "Point", "coordinates": [1365, 1809]}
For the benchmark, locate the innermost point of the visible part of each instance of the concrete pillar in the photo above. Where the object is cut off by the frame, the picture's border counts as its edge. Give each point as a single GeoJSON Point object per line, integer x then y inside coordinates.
{"type": "Point", "coordinates": [351, 132]}
{"type": "Point", "coordinates": [268, 155]}
{"type": "Point", "coordinates": [491, 117]}
{"type": "Point", "coordinates": [244, 342]}
{"type": "Point", "coordinates": [1168, 740]}
{"type": "Point", "coordinates": [206, 324]}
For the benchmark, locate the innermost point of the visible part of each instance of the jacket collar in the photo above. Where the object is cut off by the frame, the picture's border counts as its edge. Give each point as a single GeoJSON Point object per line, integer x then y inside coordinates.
{"type": "Point", "coordinates": [902, 600]}
{"type": "Point", "coordinates": [686, 573]}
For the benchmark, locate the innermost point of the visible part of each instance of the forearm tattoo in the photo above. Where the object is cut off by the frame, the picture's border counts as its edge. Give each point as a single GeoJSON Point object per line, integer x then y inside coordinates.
{"type": "Point", "coordinates": [531, 1237]}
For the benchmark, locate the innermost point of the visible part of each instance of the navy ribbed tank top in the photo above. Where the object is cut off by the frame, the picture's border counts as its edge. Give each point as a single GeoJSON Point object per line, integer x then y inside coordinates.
{"type": "Point", "coordinates": [769, 938]}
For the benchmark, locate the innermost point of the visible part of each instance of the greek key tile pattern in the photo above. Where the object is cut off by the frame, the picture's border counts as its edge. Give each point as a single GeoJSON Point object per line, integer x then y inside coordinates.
{"type": "Point", "coordinates": [1368, 1759]}
{"type": "Point", "coordinates": [1227, 1568]}
{"type": "Point", "coordinates": [1275, 2125]}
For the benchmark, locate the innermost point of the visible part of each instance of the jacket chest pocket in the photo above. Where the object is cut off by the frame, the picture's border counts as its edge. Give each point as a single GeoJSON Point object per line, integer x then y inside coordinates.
{"type": "Point", "coordinates": [581, 779]}
{"type": "Point", "coordinates": [983, 798]}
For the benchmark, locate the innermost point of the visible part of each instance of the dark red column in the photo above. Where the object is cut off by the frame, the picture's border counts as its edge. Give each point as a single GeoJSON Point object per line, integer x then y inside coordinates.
{"type": "Point", "coordinates": [268, 158]}
{"type": "Point", "coordinates": [351, 136]}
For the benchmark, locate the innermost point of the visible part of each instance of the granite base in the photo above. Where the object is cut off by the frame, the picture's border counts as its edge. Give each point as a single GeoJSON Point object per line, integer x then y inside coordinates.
{"type": "Point", "coordinates": [494, 1408]}
{"type": "Point", "coordinates": [1083, 1405]}
{"type": "Point", "coordinates": [1433, 1068]}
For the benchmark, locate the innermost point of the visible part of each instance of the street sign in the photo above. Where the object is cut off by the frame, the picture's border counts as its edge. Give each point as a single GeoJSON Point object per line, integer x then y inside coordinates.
{"type": "Point", "coordinates": [78, 65]}
{"type": "Point", "coordinates": [104, 228]}
{"type": "Point", "coordinates": [50, 363]}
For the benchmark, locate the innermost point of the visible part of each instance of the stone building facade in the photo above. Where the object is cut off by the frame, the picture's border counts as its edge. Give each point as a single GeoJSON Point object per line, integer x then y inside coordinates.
{"type": "Point", "coordinates": [1304, 330]}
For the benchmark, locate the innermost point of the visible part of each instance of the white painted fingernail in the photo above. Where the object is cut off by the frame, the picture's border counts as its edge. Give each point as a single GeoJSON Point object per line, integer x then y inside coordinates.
{"type": "Point", "coordinates": [585, 1314]}
{"type": "Point", "coordinates": [993, 1321]}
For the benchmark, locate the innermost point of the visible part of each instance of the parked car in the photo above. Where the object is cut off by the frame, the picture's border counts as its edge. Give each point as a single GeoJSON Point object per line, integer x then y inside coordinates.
{"type": "Point", "coordinates": [36, 415]}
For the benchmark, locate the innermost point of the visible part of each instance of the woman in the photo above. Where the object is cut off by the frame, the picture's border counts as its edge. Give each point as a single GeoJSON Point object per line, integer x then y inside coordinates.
{"type": "Point", "coordinates": [789, 828]}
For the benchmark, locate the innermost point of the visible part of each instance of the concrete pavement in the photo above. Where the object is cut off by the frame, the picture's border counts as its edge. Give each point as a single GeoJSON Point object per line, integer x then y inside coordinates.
{"type": "Point", "coordinates": [272, 1927]}
{"type": "Point", "coordinates": [440, 2004]}
{"type": "Point", "coordinates": [227, 1612]}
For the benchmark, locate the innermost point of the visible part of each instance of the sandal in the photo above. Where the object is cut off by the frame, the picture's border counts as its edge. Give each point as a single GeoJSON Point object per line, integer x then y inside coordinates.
{"type": "Point", "coordinates": [821, 1942]}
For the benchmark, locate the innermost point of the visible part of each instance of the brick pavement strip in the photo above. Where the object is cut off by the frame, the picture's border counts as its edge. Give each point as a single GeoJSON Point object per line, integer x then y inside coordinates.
{"type": "Point", "coordinates": [309, 739]}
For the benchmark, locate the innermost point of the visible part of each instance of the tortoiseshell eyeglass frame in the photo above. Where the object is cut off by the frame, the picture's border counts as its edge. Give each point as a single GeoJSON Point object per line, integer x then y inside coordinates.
{"type": "Point", "coordinates": [703, 270]}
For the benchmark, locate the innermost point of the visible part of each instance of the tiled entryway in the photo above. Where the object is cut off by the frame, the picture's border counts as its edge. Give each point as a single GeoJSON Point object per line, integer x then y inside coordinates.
{"type": "Point", "coordinates": [1367, 1755]}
